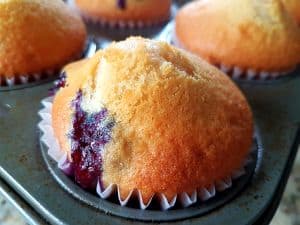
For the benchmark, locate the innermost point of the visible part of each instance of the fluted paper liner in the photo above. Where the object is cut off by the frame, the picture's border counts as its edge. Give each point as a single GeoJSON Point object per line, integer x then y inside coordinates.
{"type": "Point", "coordinates": [25, 78]}
{"type": "Point", "coordinates": [235, 72]}
{"type": "Point", "coordinates": [251, 74]}
{"type": "Point", "coordinates": [54, 151]}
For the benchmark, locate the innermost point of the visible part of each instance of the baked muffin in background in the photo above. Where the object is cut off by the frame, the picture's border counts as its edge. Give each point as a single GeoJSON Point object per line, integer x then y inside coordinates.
{"type": "Point", "coordinates": [145, 115]}
{"type": "Point", "coordinates": [37, 36]}
{"type": "Point", "coordinates": [126, 13]}
{"type": "Point", "coordinates": [245, 38]}
{"type": "Point", "coordinates": [293, 6]}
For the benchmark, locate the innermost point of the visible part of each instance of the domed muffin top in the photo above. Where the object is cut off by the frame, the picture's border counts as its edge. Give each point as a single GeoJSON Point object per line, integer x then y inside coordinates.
{"type": "Point", "coordinates": [142, 11]}
{"type": "Point", "coordinates": [38, 35]}
{"type": "Point", "coordinates": [178, 123]}
{"type": "Point", "coordinates": [258, 35]}
{"type": "Point", "coordinates": [293, 7]}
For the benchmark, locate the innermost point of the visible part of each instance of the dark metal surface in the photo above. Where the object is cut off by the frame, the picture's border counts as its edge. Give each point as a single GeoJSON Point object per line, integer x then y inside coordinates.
{"type": "Point", "coordinates": [277, 112]}
{"type": "Point", "coordinates": [26, 211]}
{"type": "Point", "coordinates": [270, 211]}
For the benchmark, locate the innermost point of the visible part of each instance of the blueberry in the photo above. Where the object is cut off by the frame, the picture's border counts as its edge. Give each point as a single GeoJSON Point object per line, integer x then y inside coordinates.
{"type": "Point", "coordinates": [121, 4]}
{"type": "Point", "coordinates": [90, 133]}
{"type": "Point", "coordinates": [61, 82]}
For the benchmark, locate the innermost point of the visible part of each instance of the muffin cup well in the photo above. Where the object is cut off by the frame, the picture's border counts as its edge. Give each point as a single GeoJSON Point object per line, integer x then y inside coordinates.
{"type": "Point", "coordinates": [185, 200]}
{"type": "Point", "coordinates": [121, 24]}
{"type": "Point", "coordinates": [234, 72]}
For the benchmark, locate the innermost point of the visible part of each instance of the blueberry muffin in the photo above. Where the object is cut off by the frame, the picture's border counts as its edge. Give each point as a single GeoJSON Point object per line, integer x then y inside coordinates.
{"type": "Point", "coordinates": [258, 39]}
{"type": "Point", "coordinates": [38, 35]}
{"type": "Point", "coordinates": [145, 115]}
{"type": "Point", "coordinates": [126, 12]}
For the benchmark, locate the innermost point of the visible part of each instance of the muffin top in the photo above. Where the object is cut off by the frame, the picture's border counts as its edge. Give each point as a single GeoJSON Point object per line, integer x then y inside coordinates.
{"type": "Point", "coordinates": [38, 35]}
{"type": "Point", "coordinates": [293, 7]}
{"type": "Point", "coordinates": [260, 35]}
{"type": "Point", "coordinates": [143, 11]}
{"type": "Point", "coordinates": [164, 120]}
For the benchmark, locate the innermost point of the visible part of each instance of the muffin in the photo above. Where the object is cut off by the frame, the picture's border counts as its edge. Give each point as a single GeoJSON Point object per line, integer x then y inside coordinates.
{"type": "Point", "coordinates": [37, 36]}
{"type": "Point", "coordinates": [123, 13]}
{"type": "Point", "coordinates": [147, 116]}
{"type": "Point", "coordinates": [258, 40]}
{"type": "Point", "coordinates": [293, 7]}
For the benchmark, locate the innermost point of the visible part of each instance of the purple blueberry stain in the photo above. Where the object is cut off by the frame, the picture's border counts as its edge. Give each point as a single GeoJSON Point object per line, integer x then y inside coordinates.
{"type": "Point", "coordinates": [59, 83]}
{"type": "Point", "coordinates": [90, 133]}
{"type": "Point", "coordinates": [121, 4]}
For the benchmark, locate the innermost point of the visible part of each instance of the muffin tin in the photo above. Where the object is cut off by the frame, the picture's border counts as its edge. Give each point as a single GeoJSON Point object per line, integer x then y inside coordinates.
{"type": "Point", "coordinates": [26, 180]}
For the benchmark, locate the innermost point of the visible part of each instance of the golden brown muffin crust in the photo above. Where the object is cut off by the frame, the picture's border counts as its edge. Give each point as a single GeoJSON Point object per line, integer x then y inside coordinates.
{"type": "Point", "coordinates": [61, 111]}
{"type": "Point", "coordinates": [143, 11]}
{"type": "Point", "coordinates": [180, 123]}
{"type": "Point", "coordinates": [257, 35]}
{"type": "Point", "coordinates": [293, 7]}
{"type": "Point", "coordinates": [37, 35]}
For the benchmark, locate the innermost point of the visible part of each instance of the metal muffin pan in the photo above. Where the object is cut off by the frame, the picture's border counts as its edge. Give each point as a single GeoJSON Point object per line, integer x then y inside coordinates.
{"type": "Point", "coordinates": [24, 172]}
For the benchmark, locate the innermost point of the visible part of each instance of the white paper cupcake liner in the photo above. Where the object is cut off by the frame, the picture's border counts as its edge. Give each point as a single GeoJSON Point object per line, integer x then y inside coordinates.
{"type": "Point", "coordinates": [251, 74]}
{"type": "Point", "coordinates": [131, 24]}
{"type": "Point", "coordinates": [235, 72]}
{"type": "Point", "coordinates": [26, 78]}
{"type": "Point", "coordinates": [186, 200]}
{"type": "Point", "coordinates": [35, 77]}
{"type": "Point", "coordinates": [122, 24]}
